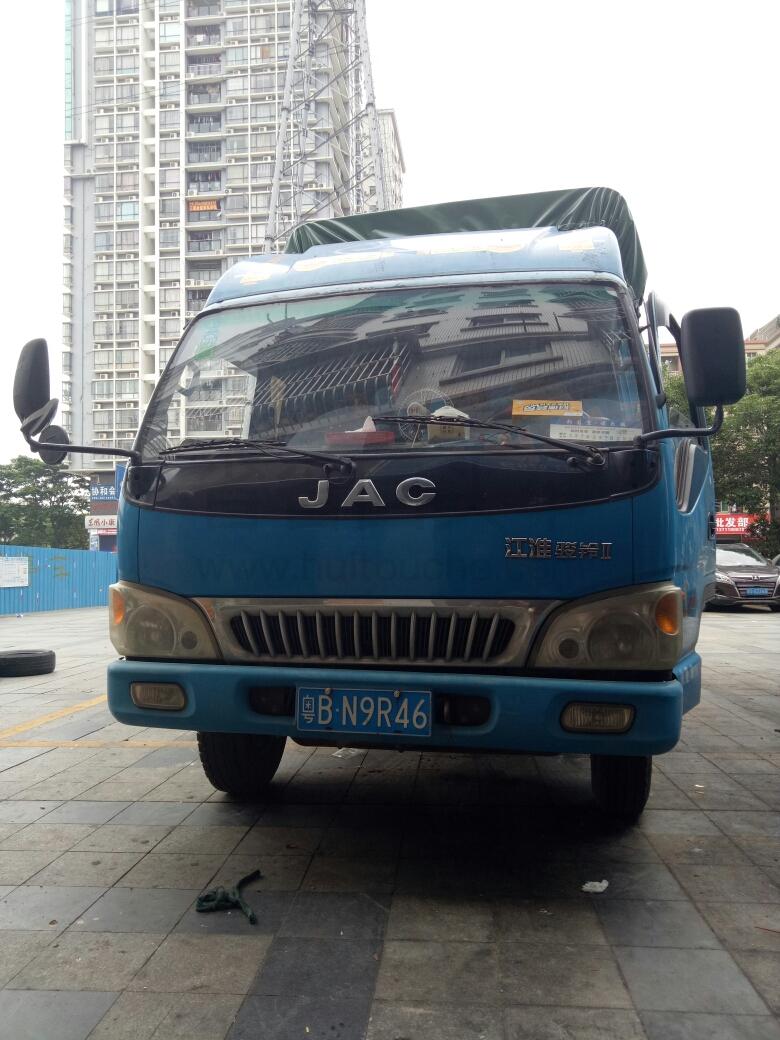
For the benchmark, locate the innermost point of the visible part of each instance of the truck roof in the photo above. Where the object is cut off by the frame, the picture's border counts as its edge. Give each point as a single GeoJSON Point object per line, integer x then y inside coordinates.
{"type": "Point", "coordinates": [586, 231]}
{"type": "Point", "coordinates": [566, 210]}
{"type": "Point", "coordinates": [535, 253]}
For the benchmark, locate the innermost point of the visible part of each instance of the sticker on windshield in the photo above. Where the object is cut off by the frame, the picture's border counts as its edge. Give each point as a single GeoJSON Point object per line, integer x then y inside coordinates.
{"type": "Point", "coordinates": [581, 432]}
{"type": "Point", "coordinates": [546, 407]}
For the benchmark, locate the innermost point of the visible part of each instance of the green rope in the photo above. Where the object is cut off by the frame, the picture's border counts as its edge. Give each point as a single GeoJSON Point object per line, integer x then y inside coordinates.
{"type": "Point", "coordinates": [228, 899]}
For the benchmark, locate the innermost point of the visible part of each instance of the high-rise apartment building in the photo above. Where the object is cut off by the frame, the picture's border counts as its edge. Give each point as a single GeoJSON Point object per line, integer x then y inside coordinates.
{"type": "Point", "coordinates": [392, 159]}
{"type": "Point", "coordinates": [198, 132]}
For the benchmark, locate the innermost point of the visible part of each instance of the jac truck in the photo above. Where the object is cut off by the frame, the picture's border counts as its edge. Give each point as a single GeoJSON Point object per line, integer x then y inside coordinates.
{"type": "Point", "coordinates": [414, 484]}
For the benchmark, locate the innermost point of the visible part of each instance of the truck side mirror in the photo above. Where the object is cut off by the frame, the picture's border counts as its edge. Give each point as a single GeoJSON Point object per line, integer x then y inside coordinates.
{"type": "Point", "coordinates": [712, 351]}
{"type": "Point", "coordinates": [31, 386]}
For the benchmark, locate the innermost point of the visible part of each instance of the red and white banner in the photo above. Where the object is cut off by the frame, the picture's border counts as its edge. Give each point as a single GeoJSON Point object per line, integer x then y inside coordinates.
{"type": "Point", "coordinates": [734, 523]}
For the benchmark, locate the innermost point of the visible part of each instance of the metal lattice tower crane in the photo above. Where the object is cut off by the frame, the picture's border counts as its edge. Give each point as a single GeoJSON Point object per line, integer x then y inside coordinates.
{"type": "Point", "coordinates": [328, 160]}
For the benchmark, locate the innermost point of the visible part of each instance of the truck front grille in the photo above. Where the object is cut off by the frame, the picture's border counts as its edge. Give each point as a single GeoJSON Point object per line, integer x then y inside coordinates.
{"type": "Point", "coordinates": [419, 632]}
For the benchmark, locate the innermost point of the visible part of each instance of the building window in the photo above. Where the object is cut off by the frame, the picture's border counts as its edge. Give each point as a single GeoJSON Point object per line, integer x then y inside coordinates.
{"type": "Point", "coordinates": [127, 299]}
{"type": "Point", "coordinates": [170, 119]}
{"type": "Point", "coordinates": [126, 270]}
{"type": "Point", "coordinates": [169, 267]}
{"type": "Point", "coordinates": [170, 32]}
{"type": "Point", "coordinates": [127, 64]}
{"type": "Point", "coordinates": [127, 93]}
{"type": "Point", "coordinates": [104, 271]}
{"type": "Point", "coordinates": [169, 207]}
{"type": "Point", "coordinates": [104, 65]}
{"type": "Point", "coordinates": [170, 179]}
{"type": "Point", "coordinates": [103, 329]}
{"type": "Point", "coordinates": [170, 327]}
{"type": "Point", "coordinates": [169, 238]}
{"type": "Point", "coordinates": [127, 181]}
{"type": "Point", "coordinates": [127, 35]}
{"type": "Point", "coordinates": [170, 89]}
{"type": "Point", "coordinates": [237, 203]}
{"type": "Point", "coordinates": [126, 240]}
{"type": "Point", "coordinates": [104, 241]}
{"type": "Point", "coordinates": [237, 114]}
{"type": "Point", "coordinates": [104, 211]}
{"type": "Point", "coordinates": [237, 234]}
{"type": "Point", "coordinates": [127, 329]}
{"type": "Point", "coordinates": [127, 151]}
{"type": "Point", "coordinates": [127, 210]}
{"type": "Point", "coordinates": [237, 174]}
{"type": "Point", "coordinates": [127, 123]}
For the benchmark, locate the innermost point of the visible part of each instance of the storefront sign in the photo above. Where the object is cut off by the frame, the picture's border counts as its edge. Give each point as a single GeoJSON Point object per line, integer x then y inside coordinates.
{"type": "Point", "coordinates": [105, 524]}
{"type": "Point", "coordinates": [734, 523]}
{"type": "Point", "coordinates": [103, 493]}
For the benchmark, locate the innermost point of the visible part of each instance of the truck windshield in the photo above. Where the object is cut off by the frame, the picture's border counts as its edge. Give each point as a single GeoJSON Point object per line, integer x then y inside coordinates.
{"type": "Point", "coordinates": [556, 359]}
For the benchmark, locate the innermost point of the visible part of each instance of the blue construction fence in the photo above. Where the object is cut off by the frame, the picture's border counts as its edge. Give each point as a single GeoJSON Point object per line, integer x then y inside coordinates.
{"type": "Point", "coordinates": [53, 579]}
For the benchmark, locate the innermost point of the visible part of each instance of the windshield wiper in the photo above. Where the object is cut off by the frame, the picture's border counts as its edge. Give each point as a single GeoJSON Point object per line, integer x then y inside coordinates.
{"type": "Point", "coordinates": [590, 453]}
{"type": "Point", "coordinates": [341, 464]}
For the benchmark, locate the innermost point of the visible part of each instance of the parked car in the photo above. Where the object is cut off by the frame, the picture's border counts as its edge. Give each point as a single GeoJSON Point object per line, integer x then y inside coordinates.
{"type": "Point", "coordinates": [745, 576]}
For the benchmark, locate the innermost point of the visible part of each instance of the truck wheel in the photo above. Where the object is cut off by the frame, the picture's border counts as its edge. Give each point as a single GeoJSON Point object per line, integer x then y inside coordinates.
{"type": "Point", "coordinates": [14, 663]}
{"type": "Point", "coordinates": [621, 783]}
{"type": "Point", "coordinates": [242, 764]}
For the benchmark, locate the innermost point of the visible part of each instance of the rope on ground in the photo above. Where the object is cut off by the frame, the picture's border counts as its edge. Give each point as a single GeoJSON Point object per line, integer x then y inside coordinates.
{"type": "Point", "coordinates": [228, 899]}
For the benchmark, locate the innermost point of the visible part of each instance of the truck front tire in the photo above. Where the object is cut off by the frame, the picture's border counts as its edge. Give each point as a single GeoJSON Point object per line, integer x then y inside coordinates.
{"type": "Point", "coordinates": [621, 784]}
{"type": "Point", "coordinates": [241, 764]}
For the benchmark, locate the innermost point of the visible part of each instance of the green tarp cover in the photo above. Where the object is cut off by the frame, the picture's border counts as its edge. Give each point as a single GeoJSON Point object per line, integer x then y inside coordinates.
{"type": "Point", "coordinates": [566, 210]}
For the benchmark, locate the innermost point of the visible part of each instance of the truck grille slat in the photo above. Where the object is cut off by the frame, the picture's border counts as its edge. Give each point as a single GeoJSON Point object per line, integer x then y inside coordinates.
{"type": "Point", "coordinates": [370, 633]}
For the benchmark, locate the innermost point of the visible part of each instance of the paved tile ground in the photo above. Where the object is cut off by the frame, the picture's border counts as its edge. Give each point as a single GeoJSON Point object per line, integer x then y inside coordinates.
{"type": "Point", "coordinates": [403, 896]}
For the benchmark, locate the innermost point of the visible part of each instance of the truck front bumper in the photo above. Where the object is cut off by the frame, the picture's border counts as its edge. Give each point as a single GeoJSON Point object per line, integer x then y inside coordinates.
{"type": "Point", "coordinates": [525, 711]}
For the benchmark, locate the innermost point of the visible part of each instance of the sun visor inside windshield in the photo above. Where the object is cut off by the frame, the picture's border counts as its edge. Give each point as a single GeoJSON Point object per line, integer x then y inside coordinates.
{"type": "Point", "coordinates": [568, 210]}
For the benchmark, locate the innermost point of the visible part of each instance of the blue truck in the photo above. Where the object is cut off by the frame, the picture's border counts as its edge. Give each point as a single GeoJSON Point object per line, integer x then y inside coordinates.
{"type": "Point", "coordinates": [414, 484]}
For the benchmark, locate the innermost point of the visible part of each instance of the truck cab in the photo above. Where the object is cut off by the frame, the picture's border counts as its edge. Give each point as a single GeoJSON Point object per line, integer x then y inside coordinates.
{"type": "Point", "coordinates": [412, 485]}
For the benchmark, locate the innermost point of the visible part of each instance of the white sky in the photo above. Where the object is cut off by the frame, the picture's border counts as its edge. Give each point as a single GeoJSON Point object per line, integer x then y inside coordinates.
{"type": "Point", "coordinates": [675, 104]}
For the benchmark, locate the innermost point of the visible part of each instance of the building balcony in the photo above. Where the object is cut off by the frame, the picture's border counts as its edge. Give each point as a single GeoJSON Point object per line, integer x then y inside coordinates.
{"type": "Point", "coordinates": [206, 188]}
{"type": "Point", "coordinates": [205, 70]}
{"type": "Point", "coordinates": [200, 100]}
{"type": "Point", "coordinates": [206, 157]}
{"type": "Point", "coordinates": [204, 130]}
{"type": "Point", "coordinates": [204, 40]}
{"type": "Point", "coordinates": [204, 248]}
{"type": "Point", "coordinates": [196, 11]}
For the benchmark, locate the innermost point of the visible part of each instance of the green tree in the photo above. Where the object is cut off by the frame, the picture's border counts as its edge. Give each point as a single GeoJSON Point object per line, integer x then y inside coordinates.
{"type": "Point", "coordinates": [746, 452]}
{"type": "Point", "coordinates": [42, 505]}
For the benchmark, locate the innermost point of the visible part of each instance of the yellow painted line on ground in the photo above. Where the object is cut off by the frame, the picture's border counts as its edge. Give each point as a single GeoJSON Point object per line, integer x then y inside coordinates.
{"type": "Point", "coordinates": [24, 726]}
{"type": "Point", "coordinates": [98, 743]}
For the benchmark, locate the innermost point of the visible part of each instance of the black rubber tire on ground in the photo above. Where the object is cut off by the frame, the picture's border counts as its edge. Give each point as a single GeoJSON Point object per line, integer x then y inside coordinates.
{"type": "Point", "coordinates": [774, 606]}
{"type": "Point", "coordinates": [242, 764]}
{"type": "Point", "coordinates": [621, 783]}
{"type": "Point", "coordinates": [14, 663]}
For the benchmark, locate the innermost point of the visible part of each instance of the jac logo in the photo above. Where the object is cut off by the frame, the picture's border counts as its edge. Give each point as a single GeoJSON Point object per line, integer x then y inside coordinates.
{"type": "Point", "coordinates": [414, 491]}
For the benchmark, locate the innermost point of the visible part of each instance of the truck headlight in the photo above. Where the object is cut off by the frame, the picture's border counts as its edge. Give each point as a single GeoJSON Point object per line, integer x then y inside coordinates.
{"type": "Point", "coordinates": [634, 629]}
{"type": "Point", "coordinates": [149, 623]}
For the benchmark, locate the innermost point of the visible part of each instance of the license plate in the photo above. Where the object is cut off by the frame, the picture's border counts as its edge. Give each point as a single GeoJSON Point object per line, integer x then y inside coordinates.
{"type": "Point", "coordinates": [328, 710]}
{"type": "Point", "coordinates": [755, 590]}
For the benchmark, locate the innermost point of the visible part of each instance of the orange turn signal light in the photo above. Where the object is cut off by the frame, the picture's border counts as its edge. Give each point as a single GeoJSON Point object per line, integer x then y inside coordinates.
{"type": "Point", "coordinates": [668, 613]}
{"type": "Point", "coordinates": [116, 605]}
